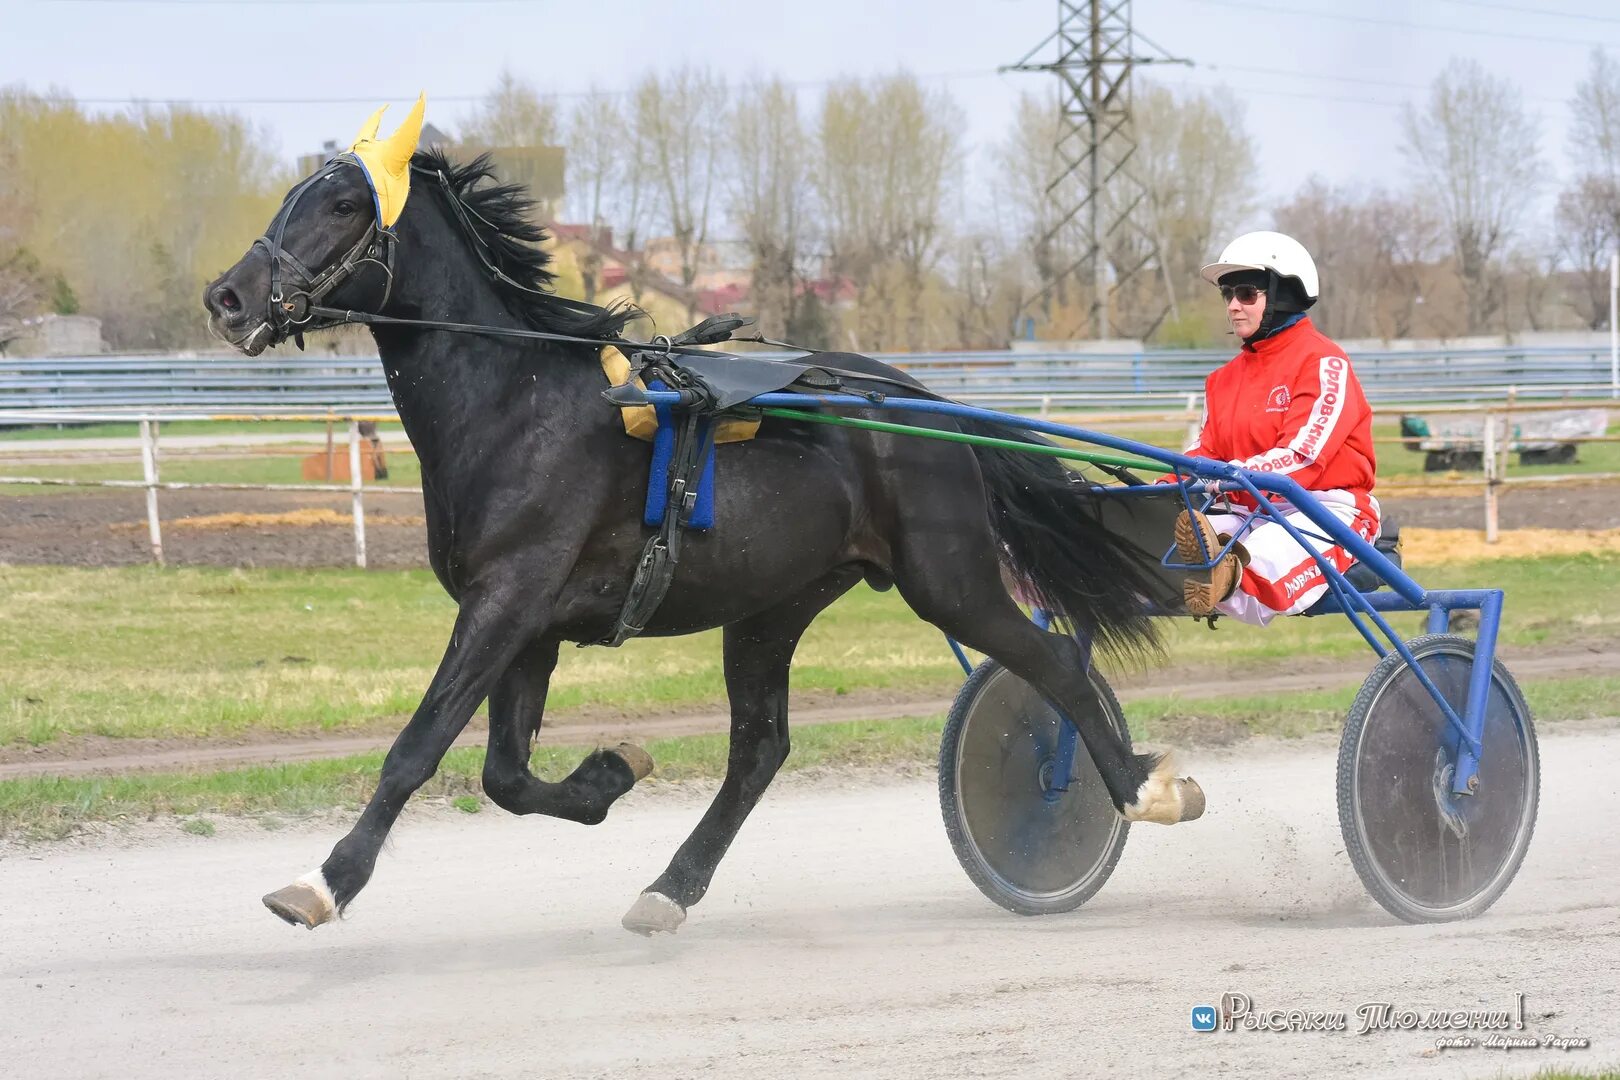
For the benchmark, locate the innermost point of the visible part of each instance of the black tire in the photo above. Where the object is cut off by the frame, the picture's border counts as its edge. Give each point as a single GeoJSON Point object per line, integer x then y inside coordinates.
{"type": "Point", "coordinates": [996, 738]}
{"type": "Point", "coordinates": [1398, 751]}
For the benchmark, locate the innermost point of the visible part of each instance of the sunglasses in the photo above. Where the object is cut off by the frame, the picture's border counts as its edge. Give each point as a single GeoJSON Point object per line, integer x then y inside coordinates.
{"type": "Point", "coordinates": [1246, 294]}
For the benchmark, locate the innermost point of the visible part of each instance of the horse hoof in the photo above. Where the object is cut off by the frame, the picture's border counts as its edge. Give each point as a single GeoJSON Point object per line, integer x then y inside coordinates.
{"type": "Point", "coordinates": [640, 762]}
{"type": "Point", "coordinates": [306, 902]}
{"type": "Point", "coordinates": [653, 913]}
{"type": "Point", "coordinates": [1192, 799]}
{"type": "Point", "coordinates": [1165, 798]}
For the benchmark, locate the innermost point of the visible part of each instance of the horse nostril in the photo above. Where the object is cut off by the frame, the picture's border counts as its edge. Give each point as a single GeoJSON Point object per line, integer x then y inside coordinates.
{"type": "Point", "coordinates": [227, 299]}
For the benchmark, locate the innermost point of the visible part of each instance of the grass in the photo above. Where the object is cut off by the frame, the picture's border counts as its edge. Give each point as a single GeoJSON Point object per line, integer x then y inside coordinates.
{"type": "Point", "coordinates": [191, 653]}
{"type": "Point", "coordinates": [51, 808]}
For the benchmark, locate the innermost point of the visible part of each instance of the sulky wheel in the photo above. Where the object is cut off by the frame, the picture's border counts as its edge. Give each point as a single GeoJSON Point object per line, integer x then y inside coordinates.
{"type": "Point", "coordinates": [1031, 854]}
{"type": "Point", "coordinates": [1424, 854]}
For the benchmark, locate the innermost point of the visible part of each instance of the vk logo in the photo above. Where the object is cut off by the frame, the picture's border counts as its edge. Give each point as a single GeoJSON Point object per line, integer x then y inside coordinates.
{"type": "Point", "coordinates": [1203, 1018]}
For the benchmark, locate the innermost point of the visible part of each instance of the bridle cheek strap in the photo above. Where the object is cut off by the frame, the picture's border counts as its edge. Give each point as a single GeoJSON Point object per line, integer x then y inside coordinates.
{"type": "Point", "coordinates": [290, 311]}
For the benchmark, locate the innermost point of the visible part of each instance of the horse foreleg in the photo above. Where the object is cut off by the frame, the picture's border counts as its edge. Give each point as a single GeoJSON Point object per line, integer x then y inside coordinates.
{"type": "Point", "coordinates": [516, 705]}
{"type": "Point", "coordinates": [483, 643]}
{"type": "Point", "coordinates": [758, 653]}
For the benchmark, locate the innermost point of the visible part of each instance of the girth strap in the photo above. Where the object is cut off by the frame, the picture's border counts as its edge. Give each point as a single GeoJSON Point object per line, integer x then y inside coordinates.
{"type": "Point", "coordinates": [694, 437]}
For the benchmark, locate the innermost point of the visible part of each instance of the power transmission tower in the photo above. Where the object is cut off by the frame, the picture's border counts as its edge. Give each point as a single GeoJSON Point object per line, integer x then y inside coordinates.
{"type": "Point", "coordinates": [1096, 53]}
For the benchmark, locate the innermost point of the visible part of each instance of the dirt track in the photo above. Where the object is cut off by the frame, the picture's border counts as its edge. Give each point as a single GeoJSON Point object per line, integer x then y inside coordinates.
{"type": "Point", "coordinates": [108, 529]}
{"type": "Point", "coordinates": [840, 939]}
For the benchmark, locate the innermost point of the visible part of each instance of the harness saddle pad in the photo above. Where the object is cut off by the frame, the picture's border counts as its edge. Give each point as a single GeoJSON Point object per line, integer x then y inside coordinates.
{"type": "Point", "coordinates": [641, 421]}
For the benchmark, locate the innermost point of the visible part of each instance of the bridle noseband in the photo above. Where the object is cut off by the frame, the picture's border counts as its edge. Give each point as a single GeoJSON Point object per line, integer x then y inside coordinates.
{"type": "Point", "coordinates": [294, 310]}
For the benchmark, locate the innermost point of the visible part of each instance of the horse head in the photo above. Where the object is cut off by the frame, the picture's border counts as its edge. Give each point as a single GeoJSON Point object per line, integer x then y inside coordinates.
{"type": "Point", "coordinates": [330, 244]}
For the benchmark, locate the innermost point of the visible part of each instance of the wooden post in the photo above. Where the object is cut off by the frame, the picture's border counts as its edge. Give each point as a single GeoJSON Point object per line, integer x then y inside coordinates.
{"type": "Point", "coordinates": [329, 448]}
{"type": "Point", "coordinates": [1490, 463]}
{"type": "Point", "coordinates": [356, 482]}
{"type": "Point", "coordinates": [149, 469]}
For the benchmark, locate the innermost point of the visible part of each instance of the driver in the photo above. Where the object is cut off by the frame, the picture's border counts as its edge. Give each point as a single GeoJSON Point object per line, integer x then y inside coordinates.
{"type": "Point", "coordinates": [1290, 404]}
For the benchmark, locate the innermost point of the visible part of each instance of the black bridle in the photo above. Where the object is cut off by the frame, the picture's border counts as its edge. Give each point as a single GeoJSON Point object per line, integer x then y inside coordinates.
{"type": "Point", "coordinates": [295, 300]}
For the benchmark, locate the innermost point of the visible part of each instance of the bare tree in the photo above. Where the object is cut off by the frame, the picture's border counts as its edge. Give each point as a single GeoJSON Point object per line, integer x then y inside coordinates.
{"type": "Point", "coordinates": [888, 159]}
{"type": "Point", "coordinates": [1196, 163]}
{"type": "Point", "coordinates": [1594, 132]}
{"type": "Point", "coordinates": [512, 114]}
{"type": "Point", "coordinates": [599, 177]}
{"type": "Point", "coordinates": [1342, 235]}
{"type": "Point", "coordinates": [1033, 186]}
{"type": "Point", "coordinates": [1474, 147]}
{"type": "Point", "coordinates": [770, 198]}
{"type": "Point", "coordinates": [1588, 225]}
{"type": "Point", "coordinates": [679, 121]}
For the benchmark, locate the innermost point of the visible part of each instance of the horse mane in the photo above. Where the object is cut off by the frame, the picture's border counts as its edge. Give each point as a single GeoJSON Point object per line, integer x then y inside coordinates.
{"type": "Point", "coordinates": [499, 214]}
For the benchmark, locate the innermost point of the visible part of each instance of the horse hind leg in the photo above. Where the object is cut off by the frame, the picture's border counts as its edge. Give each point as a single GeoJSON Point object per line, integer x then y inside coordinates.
{"type": "Point", "coordinates": [758, 653]}
{"type": "Point", "coordinates": [970, 603]}
{"type": "Point", "coordinates": [516, 706]}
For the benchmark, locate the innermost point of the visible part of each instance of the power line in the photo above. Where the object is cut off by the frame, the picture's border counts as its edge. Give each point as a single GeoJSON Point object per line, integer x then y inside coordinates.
{"type": "Point", "coordinates": [810, 84]}
{"type": "Point", "coordinates": [1372, 20]}
{"type": "Point", "coordinates": [282, 3]}
{"type": "Point", "coordinates": [1588, 16]}
{"type": "Point", "coordinates": [1218, 67]}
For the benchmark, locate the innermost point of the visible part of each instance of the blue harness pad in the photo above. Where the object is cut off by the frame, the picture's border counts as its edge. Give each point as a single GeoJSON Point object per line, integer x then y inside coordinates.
{"type": "Point", "coordinates": [663, 451]}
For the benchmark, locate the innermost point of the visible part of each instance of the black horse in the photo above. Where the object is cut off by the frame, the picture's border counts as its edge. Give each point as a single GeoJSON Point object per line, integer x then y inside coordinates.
{"type": "Point", "coordinates": [534, 496]}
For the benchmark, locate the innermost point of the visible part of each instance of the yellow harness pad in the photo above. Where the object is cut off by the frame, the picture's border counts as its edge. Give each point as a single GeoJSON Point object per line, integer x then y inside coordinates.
{"type": "Point", "coordinates": [641, 421]}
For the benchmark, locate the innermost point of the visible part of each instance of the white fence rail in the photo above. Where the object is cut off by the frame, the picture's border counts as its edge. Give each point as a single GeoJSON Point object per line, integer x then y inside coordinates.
{"type": "Point", "coordinates": [1498, 443]}
{"type": "Point", "coordinates": [152, 481]}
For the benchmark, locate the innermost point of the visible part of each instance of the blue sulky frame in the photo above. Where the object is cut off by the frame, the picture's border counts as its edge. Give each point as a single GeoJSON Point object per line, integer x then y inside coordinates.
{"type": "Point", "coordinates": [1202, 476]}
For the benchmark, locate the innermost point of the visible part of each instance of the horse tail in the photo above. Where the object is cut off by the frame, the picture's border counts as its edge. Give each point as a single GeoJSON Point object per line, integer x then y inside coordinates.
{"type": "Point", "coordinates": [1048, 520]}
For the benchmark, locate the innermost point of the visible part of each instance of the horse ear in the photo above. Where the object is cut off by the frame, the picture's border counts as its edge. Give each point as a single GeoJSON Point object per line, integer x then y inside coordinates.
{"type": "Point", "coordinates": [368, 130]}
{"type": "Point", "coordinates": [401, 144]}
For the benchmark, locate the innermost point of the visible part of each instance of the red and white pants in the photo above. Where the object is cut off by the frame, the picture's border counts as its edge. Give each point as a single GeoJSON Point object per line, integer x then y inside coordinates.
{"type": "Point", "coordinates": [1282, 578]}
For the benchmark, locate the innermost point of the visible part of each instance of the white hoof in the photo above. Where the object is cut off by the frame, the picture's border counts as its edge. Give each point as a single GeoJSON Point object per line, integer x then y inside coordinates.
{"type": "Point", "coordinates": [307, 902]}
{"type": "Point", "coordinates": [654, 913]}
{"type": "Point", "coordinates": [1165, 798]}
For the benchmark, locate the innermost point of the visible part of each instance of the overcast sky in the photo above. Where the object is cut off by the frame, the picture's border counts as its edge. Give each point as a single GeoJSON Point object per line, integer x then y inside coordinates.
{"type": "Point", "coordinates": [1322, 82]}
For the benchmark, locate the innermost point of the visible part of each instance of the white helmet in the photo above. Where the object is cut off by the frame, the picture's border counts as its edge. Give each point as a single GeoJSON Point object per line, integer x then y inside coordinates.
{"type": "Point", "coordinates": [1283, 255]}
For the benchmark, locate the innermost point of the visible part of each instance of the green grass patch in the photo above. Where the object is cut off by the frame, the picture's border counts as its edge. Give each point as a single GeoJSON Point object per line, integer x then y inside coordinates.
{"type": "Point", "coordinates": [50, 808]}
{"type": "Point", "coordinates": [189, 653]}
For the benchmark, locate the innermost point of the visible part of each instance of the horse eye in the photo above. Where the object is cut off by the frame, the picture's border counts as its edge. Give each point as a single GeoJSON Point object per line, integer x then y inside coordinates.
{"type": "Point", "coordinates": [343, 208]}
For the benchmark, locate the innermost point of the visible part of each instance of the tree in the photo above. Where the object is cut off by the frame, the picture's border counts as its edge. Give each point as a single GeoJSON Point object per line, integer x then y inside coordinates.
{"type": "Point", "coordinates": [127, 213]}
{"type": "Point", "coordinates": [1474, 147]}
{"type": "Point", "coordinates": [1029, 185]}
{"type": "Point", "coordinates": [512, 114]}
{"type": "Point", "coordinates": [1594, 133]}
{"type": "Point", "coordinates": [770, 198]}
{"type": "Point", "coordinates": [887, 157]}
{"type": "Point", "coordinates": [1196, 163]}
{"type": "Point", "coordinates": [679, 123]}
{"type": "Point", "coordinates": [1588, 227]}
{"type": "Point", "coordinates": [599, 175]}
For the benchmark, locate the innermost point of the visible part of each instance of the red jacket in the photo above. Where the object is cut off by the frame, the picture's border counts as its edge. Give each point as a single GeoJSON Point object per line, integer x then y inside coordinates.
{"type": "Point", "coordinates": [1290, 404]}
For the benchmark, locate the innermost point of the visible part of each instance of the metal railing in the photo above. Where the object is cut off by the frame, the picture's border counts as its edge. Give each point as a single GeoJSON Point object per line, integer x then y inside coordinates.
{"type": "Point", "coordinates": [1007, 380]}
